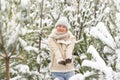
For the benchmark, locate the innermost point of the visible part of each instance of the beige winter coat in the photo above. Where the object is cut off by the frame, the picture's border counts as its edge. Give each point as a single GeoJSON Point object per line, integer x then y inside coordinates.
{"type": "Point", "coordinates": [61, 48]}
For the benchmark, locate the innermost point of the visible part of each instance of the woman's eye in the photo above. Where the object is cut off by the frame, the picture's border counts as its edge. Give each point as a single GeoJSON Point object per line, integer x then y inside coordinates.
{"type": "Point", "coordinates": [60, 25]}
{"type": "Point", "coordinates": [64, 26]}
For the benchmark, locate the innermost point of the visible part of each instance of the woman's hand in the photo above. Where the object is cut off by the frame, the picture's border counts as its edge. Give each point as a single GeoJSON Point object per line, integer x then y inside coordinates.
{"type": "Point", "coordinates": [68, 60]}
{"type": "Point", "coordinates": [62, 62]}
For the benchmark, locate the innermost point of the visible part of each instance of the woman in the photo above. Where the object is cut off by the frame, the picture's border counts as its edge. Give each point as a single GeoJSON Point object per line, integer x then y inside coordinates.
{"type": "Point", "coordinates": [61, 43]}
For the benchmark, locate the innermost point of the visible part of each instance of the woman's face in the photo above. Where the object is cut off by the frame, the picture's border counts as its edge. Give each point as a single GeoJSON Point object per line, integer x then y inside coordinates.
{"type": "Point", "coordinates": [61, 28]}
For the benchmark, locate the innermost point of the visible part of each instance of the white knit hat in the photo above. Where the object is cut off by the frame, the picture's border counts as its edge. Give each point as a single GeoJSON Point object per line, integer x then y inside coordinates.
{"type": "Point", "coordinates": [63, 21]}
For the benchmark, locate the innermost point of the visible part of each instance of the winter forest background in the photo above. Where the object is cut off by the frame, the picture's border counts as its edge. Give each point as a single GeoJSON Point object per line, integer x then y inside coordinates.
{"type": "Point", "coordinates": [26, 24]}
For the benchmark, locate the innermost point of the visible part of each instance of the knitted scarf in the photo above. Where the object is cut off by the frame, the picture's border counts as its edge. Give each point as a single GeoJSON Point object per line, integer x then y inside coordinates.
{"type": "Point", "coordinates": [61, 37]}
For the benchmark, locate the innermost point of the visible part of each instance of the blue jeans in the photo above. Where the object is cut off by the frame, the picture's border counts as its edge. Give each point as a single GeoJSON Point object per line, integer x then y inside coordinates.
{"type": "Point", "coordinates": [62, 75]}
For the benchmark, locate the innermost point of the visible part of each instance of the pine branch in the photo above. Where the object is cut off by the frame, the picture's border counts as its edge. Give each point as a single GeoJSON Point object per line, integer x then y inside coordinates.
{"type": "Point", "coordinates": [3, 56]}
{"type": "Point", "coordinates": [2, 42]}
{"type": "Point", "coordinates": [12, 51]}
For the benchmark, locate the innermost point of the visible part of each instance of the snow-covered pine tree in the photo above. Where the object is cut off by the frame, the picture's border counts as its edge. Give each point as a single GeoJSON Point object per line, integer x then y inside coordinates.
{"type": "Point", "coordinates": [104, 33]}
{"type": "Point", "coordinates": [107, 32]}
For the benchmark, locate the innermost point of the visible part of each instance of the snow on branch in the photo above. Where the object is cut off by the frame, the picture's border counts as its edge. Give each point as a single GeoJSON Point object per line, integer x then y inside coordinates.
{"type": "Point", "coordinates": [118, 59]}
{"type": "Point", "coordinates": [98, 64]}
{"type": "Point", "coordinates": [30, 48]}
{"type": "Point", "coordinates": [118, 21]}
{"type": "Point", "coordinates": [102, 28]}
{"type": "Point", "coordinates": [14, 36]}
{"type": "Point", "coordinates": [22, 42]}
{"type": "Point", "coordinates": [101, 32]}
{"type": "Point", "coordinates": [81, 76]}
{"type": "Point", "coordinates": [95, 55]}
{"type": "Point", "coordinates": [24, 3]}
{"type": "Point", "coordinates": [23, 68]}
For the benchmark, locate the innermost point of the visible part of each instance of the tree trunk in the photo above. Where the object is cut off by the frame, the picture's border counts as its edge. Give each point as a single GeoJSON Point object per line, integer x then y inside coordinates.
{"type": "Point", "coordinates": [79, 33]}
{"type": "Point", "coordinates": [40, 35]}
{"type": "Point", "coordinates": [7, 63]}
{"type": "Point", "coordinates": [95, 8]}
{"type": "Point", "coordinates": [41, 16]}
{"type": "Point", "coordinates": [5, 55]}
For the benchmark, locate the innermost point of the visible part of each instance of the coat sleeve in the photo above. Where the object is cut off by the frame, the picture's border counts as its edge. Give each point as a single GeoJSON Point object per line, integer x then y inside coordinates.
{"type": "Point", "coordinates": [70, 48]}
{"type": "Point", "coordinates": [54, 49]}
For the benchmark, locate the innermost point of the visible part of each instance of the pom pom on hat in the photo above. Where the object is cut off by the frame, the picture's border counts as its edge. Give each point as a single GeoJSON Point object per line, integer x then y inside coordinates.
{"type": "Point", "coordinates": [63, 21]}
